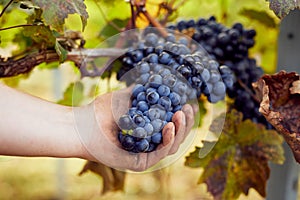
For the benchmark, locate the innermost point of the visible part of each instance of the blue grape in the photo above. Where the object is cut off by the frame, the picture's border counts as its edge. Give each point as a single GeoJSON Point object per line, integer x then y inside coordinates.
{"type": "Point", "coordinates": [141, 96]}
{"type": "Point", "coordinates": [152, 58]}
{"type": "Point", "coordinates": [175, 98]}
{"type": "Point", "coordinates": [128, 142]}
{"type": "Point", "coordinates": [153, 113]}
{"type": "Point", "coordinates": [164, 71]}
{"type": "Point", "coordinates": [169, 116]}
{"type": "Point", "coordinates": [134, 103]}
{"type": "Point", "coordinates": [148, 128]}
{"type": "Point", "coordinates": [170, 80]}
{"type": "Point", "coordinates": [161, 110]}
{"type": "Point", "coordinates": [176, 108]}
{"type": "Point", "coordinates": [163, 90]}
{"type": "Point", "coordinates": [142, 106]}
{"type": "Point", "coordinates": [219, 89]}
{"type": "Point", "coordinates": [139, 120]}
{"type": "Point", "coordinates": [151, 147]}
{"type": "Point", "coordinates": [142, 145]}
{"type": "Point", "coordinates": [164, 58]}
{"type": "Point", "coordinates": [205, 75]}
{"type": "Point", "coordinates": [137, 89]}
{"type": "Point", "coordinates": [156, 138]}
{"type": "Point", "coordinates": [125, 122]}
{"type": "Point", "coordinates": [143, 67]}
{"type": "Point", "coordinates": [165, 102]}
{"type": "Point", "coordinates": [157, 125]}
{"type": "Point", "coordinates": [155, 80]}
{"type": "Point", "coordinates": [151, 39]}
{"type": "Point", "coordinates": [152, 97]}
{"type": "Point", "coordinates": [139, 132]}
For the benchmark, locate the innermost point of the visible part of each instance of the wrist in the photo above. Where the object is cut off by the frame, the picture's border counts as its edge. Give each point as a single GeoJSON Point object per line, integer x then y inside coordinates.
{"type": "Point", "coordinates": [85, 127]}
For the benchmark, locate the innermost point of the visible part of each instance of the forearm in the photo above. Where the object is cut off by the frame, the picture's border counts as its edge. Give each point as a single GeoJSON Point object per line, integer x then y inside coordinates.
{"type": "Point", "coordinates": [30, 126]}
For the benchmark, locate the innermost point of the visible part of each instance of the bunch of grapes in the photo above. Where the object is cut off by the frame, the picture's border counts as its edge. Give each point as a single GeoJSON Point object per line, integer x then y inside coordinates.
{"type": "Point", "coordinates": [168, 74]}
{"type": "Point", "coordinates": [204, 74]}
{"type": "Point", "coordinates": [221, 42]}
{"type": "Point", "coordinates": [230, 46]}
{"type": "Point", "coordinates": [158, 94]}
{"type": "Point", "coordinates": [247, 72]}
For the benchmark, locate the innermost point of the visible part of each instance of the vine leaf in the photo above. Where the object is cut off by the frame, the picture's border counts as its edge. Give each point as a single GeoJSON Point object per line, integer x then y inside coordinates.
{"type": "Point", "coordinates": [282, 7]}
{"type": "Point", "coordinates": [113, 180]}
{"type": "Point", "coordinates": [239, 160]}
{"type": "Point", "coordinates": [279, 94]}
{"type": "Point", "coordinates": [61, 51]}
{"type": "Point", "coordinates": [73, 95]}
{"type": "Point", "coordinates": [56, 11]}
{"type": "Point", "coordinates": [261, 16]}
{"type": "Point", "coordinates": [109, 30]}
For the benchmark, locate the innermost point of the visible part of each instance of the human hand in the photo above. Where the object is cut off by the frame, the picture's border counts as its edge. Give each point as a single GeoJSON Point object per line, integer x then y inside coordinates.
{"type": "Point", "coordinates": [102, 142]}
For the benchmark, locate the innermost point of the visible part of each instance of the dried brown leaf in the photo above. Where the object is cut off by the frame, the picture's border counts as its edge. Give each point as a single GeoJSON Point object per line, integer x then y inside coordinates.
{"type": "Point", "coordinates": [296, 87]}
{"type": "Point", "coordinates": [113, 180]}
{"type": "Point", "coordinates": [280, 104]}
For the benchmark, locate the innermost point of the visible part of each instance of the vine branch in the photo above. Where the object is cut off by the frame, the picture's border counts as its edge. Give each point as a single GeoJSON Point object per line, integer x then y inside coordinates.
{"type": "Point", "coordinates": [18, 26]}
{"type": "Point", "coordinates": [22, 65]}
{"type": "Point", "coordinates": [4, 9]}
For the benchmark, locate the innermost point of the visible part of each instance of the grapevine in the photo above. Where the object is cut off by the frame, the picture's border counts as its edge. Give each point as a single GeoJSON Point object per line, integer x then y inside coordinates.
{"type": "Point", "coordinates": [169, 64]}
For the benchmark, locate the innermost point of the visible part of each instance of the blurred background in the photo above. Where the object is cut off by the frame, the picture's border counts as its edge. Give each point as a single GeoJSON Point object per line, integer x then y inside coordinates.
{"type": "Point", "coordinates": [57, 179]}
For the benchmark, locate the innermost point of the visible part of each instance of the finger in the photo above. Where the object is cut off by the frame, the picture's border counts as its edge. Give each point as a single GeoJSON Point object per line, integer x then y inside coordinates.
{"type": "Point", "coordinates": [163, 149]}
{"type": "Point", "coordinates": [189, 117]}
{"type": "Point", "coordinates": [195, 108]}
{"type": "Point", "coordinates": [180, 126]}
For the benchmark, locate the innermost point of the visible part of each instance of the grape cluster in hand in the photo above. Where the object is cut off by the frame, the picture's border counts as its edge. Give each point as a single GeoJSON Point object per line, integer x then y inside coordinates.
{"type": "Point", "coordinates": [158, 63]}
{"type": "Point", "coordinates": [158, 94]}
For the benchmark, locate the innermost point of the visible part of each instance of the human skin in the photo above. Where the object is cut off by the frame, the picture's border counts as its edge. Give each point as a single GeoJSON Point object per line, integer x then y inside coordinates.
{"type": "Point", "coordinates": [33, 127]}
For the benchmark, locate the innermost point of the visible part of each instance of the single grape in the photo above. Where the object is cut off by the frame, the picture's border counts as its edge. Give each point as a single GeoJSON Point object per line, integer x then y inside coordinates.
{"type": "Point", "coordinates": [139, 120]}
{"type": "Point", "coordinates": [155, 80]}
{"type": "Point", "coordinates": [142, 106]}
{"type": "Point", "coordinates": [152, 97]}
{"type": "Point", "coordinates": [139, 132]}
{"type": "Point", "coordinates": [128, 142]}
{"type": "Point", "coordinates": [156, 138]}
{"type": "Point", "coordinates": [157, 125]}
{"type": "Point", "coordinates": [142, 145]}
{"type": "Point", "coordinates": [163, 90]}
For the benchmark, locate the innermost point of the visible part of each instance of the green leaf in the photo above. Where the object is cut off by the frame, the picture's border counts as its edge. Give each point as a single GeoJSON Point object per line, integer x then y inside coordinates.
{"type": "Point", "coordinates": [261, 16]}
{"type": "Point", "coordinates": [282, 7]}
{"type": "Point", "coordinates": [109, 30]}
{"type": "Point", "coordinates": [239, 160]}
{"type": "Point", "coordinates": [52, 65]}
{"type": "Point", "coordinates": [41, 35]}
{"type": "Point", "coordinates": [202, 111]}
{"type": "Point", "coordinates": [73, 95]}
{"type": "Point", "coordinates": [56, 11]}
{"type": "Point", "coordinates": [61, 51]}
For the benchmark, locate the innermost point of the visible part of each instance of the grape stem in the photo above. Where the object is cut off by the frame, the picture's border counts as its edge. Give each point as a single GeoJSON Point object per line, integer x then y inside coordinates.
{"type": "Point", "coordinates": [18, 26]}
{"type": "Point", "coordinates": [4, 9]}
{"type": "Point", "coordinates": [24, 64]}
{"type": "Point", "coordinates": [247, 89]}
{"type": "Point", "coordinates": [170, 9]}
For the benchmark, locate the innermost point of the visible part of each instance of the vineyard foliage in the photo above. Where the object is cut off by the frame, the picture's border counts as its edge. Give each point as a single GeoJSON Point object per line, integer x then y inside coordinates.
{"type": "Point", "coordinates": [239, 160]}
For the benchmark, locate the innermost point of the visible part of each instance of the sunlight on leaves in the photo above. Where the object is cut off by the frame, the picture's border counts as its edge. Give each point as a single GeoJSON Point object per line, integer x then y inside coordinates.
{"type": "Point", "coordinates": [239, 160]}
{"type": "Point", "coordinates": [55, 12]}
{"type": "Point", "coordinates": [73, 95]}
